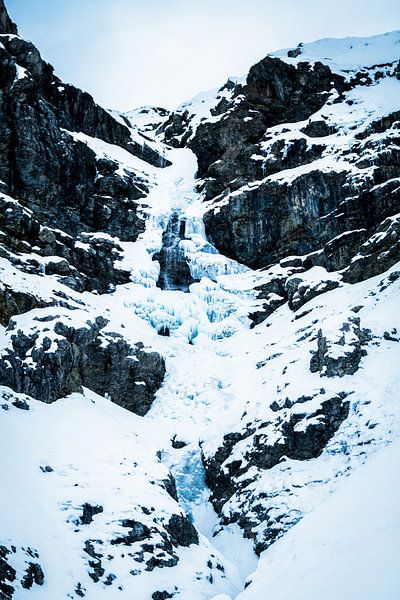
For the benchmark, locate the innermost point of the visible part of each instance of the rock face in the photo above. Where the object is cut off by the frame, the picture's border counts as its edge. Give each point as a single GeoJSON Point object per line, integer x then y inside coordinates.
{"type": "Point", "coordinates": [64, 182]}
{"type": "Point", "coordinates": [263, 159]}
{"type": "Point", "coordinates": [352, 341]}
{"type": "Point", "coordinates": [65, 206]}
{"type": "Point", "coordinates": [275, 93]}
{"type": "Point", "coordinates": [6, 25]}
{"type": "Point", "coordinates": [301, 437]}
{"type": "Point", "coordinates": [86, 263]}
{"type": "Point", "coordinates": [174, 269]}
{"type": "Point", "coordinates": [56, 359]}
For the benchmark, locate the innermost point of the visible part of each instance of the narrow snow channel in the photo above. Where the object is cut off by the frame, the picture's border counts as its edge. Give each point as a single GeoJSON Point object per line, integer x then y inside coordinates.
{"type": "Point", "coordinates": [194, 497]}
{"type": "Point", "coordinates": [195, 321]}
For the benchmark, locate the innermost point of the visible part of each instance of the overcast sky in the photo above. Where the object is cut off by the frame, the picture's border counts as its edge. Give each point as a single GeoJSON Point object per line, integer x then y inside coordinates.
{"type": "Point", "coordinates": [128, 53]}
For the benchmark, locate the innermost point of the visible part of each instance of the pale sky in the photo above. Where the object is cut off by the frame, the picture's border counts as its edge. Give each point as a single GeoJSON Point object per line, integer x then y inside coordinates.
{"type": "Point", "coordinates": [129, 53]}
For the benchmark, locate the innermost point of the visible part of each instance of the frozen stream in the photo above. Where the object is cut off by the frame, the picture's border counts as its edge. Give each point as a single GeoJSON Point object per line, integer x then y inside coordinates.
{"type": "Point", "coordinates": [205, 389]}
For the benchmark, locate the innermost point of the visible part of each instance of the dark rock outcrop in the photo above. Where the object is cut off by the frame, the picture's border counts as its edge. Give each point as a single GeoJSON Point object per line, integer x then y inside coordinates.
{"type": "Point", "coordinates": [48, 368]}
{"type": "Point", "coordinates": [33, 574]}
{"type": "Point", "coordinates": [13, 302]}
{"type": "Point", "coordinates": [137, 533]}
{"type": "Point", "coordinates": [325, 214]}
{"type": "Point", "coordinates": [302, 437]}
{"type": "Point", "coordinates": [261, 226]}
{"type": "Point", "coordinates": [60, 178]}
{"type": "Point", "coordinates": [28, 573]}
{"type": "Point", "coordinates": [182, 531]}
{"type": "Point", "coordinates": [88, 512]}
{"type": "Point", "coordinates": [6, 24]}
{"type": "Point", "coordinates": [174, 269]}
{"type": "Point", "coordinates": [330, 362]}
{"type": "Point", "coordinates": [7, 574]}
{"type": "Point", "coordinates": [300, 291]}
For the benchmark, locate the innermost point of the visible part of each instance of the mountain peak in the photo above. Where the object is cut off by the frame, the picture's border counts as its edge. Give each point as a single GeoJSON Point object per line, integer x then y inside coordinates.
{"type": "Point", "coordinates": [6, 24]}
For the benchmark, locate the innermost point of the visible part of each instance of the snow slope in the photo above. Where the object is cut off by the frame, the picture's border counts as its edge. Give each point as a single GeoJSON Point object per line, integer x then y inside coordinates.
{"type": "Point", "coordinates": [347, 548]}
{"type": "Point", "coordinates": [348, 54]}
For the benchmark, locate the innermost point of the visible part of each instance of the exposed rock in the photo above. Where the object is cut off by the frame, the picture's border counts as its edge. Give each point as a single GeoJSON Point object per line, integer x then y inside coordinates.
{"type": "Point", "coordinates": [84, 264]}
{"type": "Point", "coordinates": [33, 574]}
{"type": "Point", "coordinates": [6, 25]}
{"type": "Point", "coordinates": [318, 129]}
{"type": "Point", "coordinates": [273, 301]}
{"type": "Point", "coordinates": [380, 252]}
{"type": "Point", "coordinates": [162, 595]}
{"type": "Point", "coordinates": [47, 469]}
{"type": "Point", "coordinates": [343, 356]}
{"type": "Point", "coordinates": [275, 92]}
{"type": "Point", "coordinates": [302, 437]}
{"type": "Point", "coordinates": [60, 179]}
{"type": "Point", "coordinates": [137, 533]}
{"type": "Point", "coordinates": [88, 512]}
{"type": "Point", "coordinates": [324, 214]}
{"type": "Point", "coordinates": [7, 572]}
{"type": "Point", "coordinates": [97, 571]}
{"type": "Point", "coordinates": [26, 576]}
{"type": "Point", "coordinates": [300, 291]}
{"type": "Point", "coordinates": [182, 531]}
{"type": "Point", "coordinates": [174, 269]}
{"type": "Point", "coordinates": [48, 370]}
{"type": "Point", "coordinates": [261, 225]}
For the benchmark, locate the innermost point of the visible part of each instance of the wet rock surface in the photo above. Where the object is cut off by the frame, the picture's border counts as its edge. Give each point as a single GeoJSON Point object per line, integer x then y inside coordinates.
{"type": "Point", "coordinates": [174, 269]}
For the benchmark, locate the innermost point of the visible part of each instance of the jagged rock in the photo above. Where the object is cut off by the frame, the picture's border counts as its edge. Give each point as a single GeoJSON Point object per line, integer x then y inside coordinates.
{"type": "Point", "coordinates": [80, 591]}
{"type": "Point", "coordinates": [88, 512]}
{"type": "Point", "coordinates": [6, 25]}
{"type": "Point", "coordinates": [13, 302]}
{"type": "Point", "coordinates": [97, 570]}
{"type": "Point", "coordinates": [300, 291]}
{"type": "Point", "coordinates": [7, 572]}
{"type": "Point", "coordinates": [182, 531]}
{"type": "Point", "coordinates": [174, 269]}
{"type": "Point", "coordinates": [275, 92]}
{"type": "Point", "coordinates": [380, 252]}
{"type": "Point", "coordinates": [170, 487]}
{"type": "Point", "coordinates": [299, 434]}
{"type": "Point", "coordinates": [84, 264]}
{"type": "Point", "coordinates": [349, 346]}
{"type": "Point", "coordinates": [260, 223]}
{"type": "Point", "coordinates": [58, 177]}
{"type": "Point", "coordinates": [48, 370]}
{"type": "Point", "coordinates": [302, 437]}
{"type": "Point", "coordinates": [33, 574]}
{"type": "Point", "coordinates": [273, 301]}
{"type": "Point", "coordinates": [259, 226]}
{"type": "Point", "coordinates": [137, 533]}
